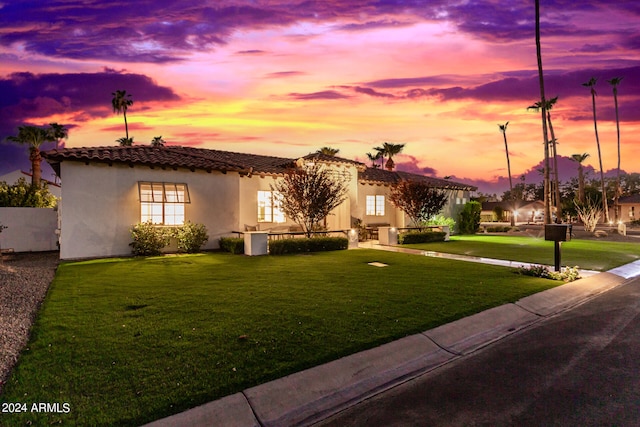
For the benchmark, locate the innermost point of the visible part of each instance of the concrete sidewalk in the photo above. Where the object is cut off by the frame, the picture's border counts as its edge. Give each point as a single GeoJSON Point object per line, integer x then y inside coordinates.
{"type": "Point", "coordinates": [312, 395]}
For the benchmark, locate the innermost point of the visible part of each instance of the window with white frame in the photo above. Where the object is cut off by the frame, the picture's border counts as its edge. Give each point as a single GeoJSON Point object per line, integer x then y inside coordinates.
{"type": "Point", "coordinates": [632, 212]}
{"type": "Point", "coordinates": [269, 207]}
{"type": "Point", "coordinates": [163, 203]}
{"type": "Point", "coordinates": [375, 205]}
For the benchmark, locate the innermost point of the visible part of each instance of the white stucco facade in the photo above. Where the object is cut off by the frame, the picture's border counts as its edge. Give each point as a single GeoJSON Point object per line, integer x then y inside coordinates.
{"type": "Point", "coordinates": [101, 203]}
{"type": "Point", "coordinates": [101, 199]}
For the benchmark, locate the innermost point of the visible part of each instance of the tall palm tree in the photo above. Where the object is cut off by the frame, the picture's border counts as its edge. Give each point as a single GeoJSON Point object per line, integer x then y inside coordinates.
{"type": "Point", "coordinates": [328, 151]}
{"type": "Point", "coordinates": [543, 103]}
{"type": "Point", "coordinates": [579, 158]}
{"type": "Point", "coordinates": [391, 150]}
{"type": "Point", "coordinates": [550, 103]}
{"type": "Point", "coordinates": [614, 82]}
{"type": "Point", "coordinates": [121, 102]}
{"type": "Point", "coordinates": [33, 137]}
{"type": "Point", "coordinates": [591, 84]}
{"type": "Point", "coordinates": [157, 141]}
{"type": "Point", "coordinates": [503, 129]}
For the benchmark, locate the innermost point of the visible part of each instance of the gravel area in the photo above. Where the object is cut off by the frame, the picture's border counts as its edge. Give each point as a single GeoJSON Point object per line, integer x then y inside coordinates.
{"type": "Point", "coordinates": [24, 281]}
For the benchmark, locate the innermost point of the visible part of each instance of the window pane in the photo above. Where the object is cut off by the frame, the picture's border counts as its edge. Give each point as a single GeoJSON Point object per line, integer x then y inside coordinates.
{"type": "Point", "coordinates": [380, 205]}
{"type": "Point", "coordinates": [264, 206]}
{"type": "Point", "coordinates": [151, 212]}
{"type": "Point", "coordinates": [174, 214]}
{"type": "Point", "coordinates": [145, 192]}
{"type": "Point", "coordinates": [278, 214]}
{"type": "Point", "coordinates": [371, 205]}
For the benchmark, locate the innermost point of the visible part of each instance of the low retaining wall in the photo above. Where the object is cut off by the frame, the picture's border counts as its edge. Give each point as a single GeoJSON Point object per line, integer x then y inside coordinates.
{"type": "Point", "coordinates": [29, 229]}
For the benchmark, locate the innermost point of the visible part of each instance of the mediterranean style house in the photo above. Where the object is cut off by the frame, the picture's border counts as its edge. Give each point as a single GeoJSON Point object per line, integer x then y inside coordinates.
{"type": "Point", "coordinates": [106, 190]}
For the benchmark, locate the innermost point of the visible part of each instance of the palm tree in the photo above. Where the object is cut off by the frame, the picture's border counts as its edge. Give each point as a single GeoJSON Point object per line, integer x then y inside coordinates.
{"type": "Point", "coordinates": [553, 147]}
{"type": "Point", "coordinates": [579, 158]}
{"type": "Point", "coordinates": [157, 141]}
{"type": "Point", "coordinates": [125, 142]}
{"type": "Point", "coordinates": [121, 102]}
{"type": "Point", "coordinates": [591, 84]}
{"type": "Point", "coordinates": [58, 132]}
{"type": "Point", "coordinates": [543, 103]}
{"type": "Point", "coordinates": [503, 129]}
{"type": "Point", "coordinates": [391, 150]}
{"type": "Point", "coordinates": [328, 151]}
{"type": "Point", "coordinates": [374, 158]}
{"type": "Point", "coordinates": [614, 82]}
{"type": "Point", "coordinates": [34, 137]}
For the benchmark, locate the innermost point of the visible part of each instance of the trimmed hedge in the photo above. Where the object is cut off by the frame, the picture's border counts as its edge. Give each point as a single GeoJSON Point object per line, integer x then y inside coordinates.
{"type": "Point", "coordinates": [421, 237]}
{"type": "Point", "coordinates": [235, 245]}
{"type": "Point", "coordinates": [313, 244]}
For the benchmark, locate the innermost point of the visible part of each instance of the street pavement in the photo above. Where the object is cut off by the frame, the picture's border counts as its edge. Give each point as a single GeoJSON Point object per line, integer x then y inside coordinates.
{"type": "Point", "coordinates": [580, 367]}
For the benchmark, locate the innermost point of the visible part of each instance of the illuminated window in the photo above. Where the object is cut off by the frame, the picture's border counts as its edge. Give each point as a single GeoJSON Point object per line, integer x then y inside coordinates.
{"type": "Point", "coordinates": [375, 205]}
{"type": "Point", "coordinates": [162, 202]}
{"type": "Point", "coordinates": [269, 207]}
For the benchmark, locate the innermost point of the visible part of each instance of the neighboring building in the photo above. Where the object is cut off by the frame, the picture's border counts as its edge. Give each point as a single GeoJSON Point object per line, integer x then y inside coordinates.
{"type": "Point", "coordinates": [12, 178]}
{"type": "Point", "coordinates": [526, 211]}
{"type": "Point", "coordinates": [106, 190]}
{"type": "Point", "coordinates": [629, 208]}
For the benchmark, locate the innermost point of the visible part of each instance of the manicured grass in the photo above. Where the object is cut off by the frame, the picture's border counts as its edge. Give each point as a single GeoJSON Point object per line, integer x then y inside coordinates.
{"type": "Point", "coordinates": [587, 254]}
{"type": "Point", "coordinates": [127, 341]}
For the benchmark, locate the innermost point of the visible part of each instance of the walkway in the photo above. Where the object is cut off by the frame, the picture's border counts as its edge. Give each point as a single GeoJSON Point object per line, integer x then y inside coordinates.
{"type": "Point", "coordinates": [373, 244]}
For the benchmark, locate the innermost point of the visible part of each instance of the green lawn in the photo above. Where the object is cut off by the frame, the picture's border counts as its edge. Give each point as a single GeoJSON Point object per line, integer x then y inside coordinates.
{"type": "Point", "coordinates": [587, 254]}
{"type": "Point", "coordinates": [127, 341]}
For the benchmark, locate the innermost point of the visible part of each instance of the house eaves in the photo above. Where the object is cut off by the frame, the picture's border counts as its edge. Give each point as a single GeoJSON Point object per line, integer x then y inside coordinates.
{"type": "Point", "coordinates": [377, 176]}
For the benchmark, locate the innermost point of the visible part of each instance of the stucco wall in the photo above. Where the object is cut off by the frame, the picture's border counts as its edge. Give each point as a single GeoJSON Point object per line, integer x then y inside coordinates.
{"type": "Point", "coordinates": [100, 203]}
{"type": "Point", "coordinates": [29, 229]}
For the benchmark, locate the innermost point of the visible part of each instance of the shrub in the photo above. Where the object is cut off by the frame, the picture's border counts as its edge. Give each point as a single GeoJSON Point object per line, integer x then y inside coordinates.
{"type": "Point", "coordinates": [421, 237]}
{"type": "Point", "coordinates": [313, 244]}
{"type": "Point", "coordinates": [148, 239]}
{"type": "Point", "coordinates": [568, 274]}
{"type": "Point", "coordinates": [443, 220]}
{"type": "Point", "coordinates": [470, 218]}
{"type": "Point", "coordinates": [235, 245]}
{"type": "Point", "coordinates": [499, 229]}
{"type": "Point", "coordinates": [23, 194]}
{"type": "Point", "coordinates": [191, 237]}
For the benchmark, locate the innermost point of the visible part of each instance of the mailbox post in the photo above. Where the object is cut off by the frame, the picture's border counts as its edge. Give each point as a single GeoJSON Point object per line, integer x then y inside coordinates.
{"type": "Point", "coordinates": [557, 233]}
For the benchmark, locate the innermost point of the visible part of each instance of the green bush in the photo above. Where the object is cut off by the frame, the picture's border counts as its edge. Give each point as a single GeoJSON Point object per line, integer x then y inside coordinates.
{"type": "Point", "coordinates": [313, 244]}
{"type": "Point", "coordinates": [443, 220]}
{"type": "Point", "coordinates": [470, 218]}
{"type": "Point", "coordinates": [421, 237]}
{"type": "Point", "coordinates": [148, 239]}
{"type": "Point", "coordinates": [25, 195]}
{"type": "Point", "coordinates": [499, 229]}
{"type": "Point", "coordinates": [191, 237]}
{"type": "Point", "coordinates": [568, 274]}
{"type": "Point", "coordinates": [235, 245]}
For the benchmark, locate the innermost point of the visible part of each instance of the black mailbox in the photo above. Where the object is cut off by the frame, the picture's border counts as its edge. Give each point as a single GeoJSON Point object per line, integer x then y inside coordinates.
{"type": "Point", "coordinates": [557, 232]}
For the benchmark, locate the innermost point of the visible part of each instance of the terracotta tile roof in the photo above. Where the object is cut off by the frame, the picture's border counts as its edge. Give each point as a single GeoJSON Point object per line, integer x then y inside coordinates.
{"type": "Point", "coordinates": [225, 161]}
{"type": "Point", "coordinates": [171, 157]}
{"type": "Point", "coordinates": [385, 177]}
{"type": "Point", "coordinates": [633, 198]}
{"type": "Point", "coordinates": [333, 159]}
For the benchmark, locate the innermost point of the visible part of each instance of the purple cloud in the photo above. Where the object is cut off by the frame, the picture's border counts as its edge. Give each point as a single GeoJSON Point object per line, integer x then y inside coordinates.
{"type": "Point", "coordinates": [284, 74]}
{"type": "Point", "coordinates": [28, 97]}
{"type": "Point", "coordinates": [325, 94]}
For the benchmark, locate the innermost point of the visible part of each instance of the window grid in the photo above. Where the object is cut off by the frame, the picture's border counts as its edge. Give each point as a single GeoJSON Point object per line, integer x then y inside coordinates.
{"type": "Point", "coordinates": [375, 205]}
{"type": "Point", "coordinates": [269, 207]}
{"type": "Point", "coordinates": [163, 203]}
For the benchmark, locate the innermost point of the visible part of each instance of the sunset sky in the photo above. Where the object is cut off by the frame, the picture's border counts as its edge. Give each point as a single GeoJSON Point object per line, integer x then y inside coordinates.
{"type": "Point", "coordinates": [285, 78]}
